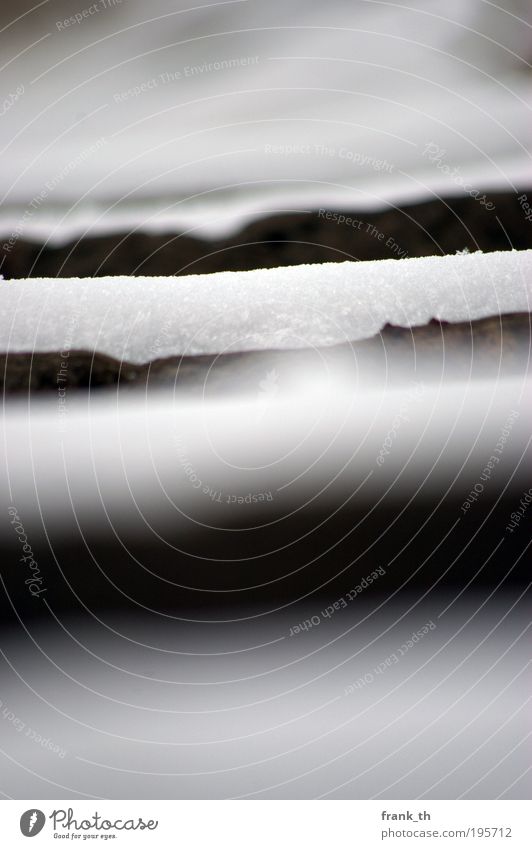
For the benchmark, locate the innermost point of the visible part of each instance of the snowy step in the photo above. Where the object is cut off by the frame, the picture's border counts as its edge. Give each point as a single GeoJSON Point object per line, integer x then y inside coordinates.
{"type": "Point", "coordinates": [140, 319]}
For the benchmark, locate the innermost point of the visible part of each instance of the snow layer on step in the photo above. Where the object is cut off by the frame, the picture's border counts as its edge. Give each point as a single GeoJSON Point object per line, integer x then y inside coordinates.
{"type": "Point", "coordinates": [144, 318]}
{"type": "Point", "coordinates": [173, 114]}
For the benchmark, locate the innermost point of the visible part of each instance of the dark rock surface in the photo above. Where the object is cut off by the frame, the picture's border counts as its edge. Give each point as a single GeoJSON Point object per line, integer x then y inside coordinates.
{"type": "Point", "coordinates": [441, 226]}
{"type": "Point", "coordinates": [483, 347]}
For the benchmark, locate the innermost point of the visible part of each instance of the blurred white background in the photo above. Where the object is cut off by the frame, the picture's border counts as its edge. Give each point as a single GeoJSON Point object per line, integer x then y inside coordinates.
{"type": "Point", "coordinates": [169, 115]}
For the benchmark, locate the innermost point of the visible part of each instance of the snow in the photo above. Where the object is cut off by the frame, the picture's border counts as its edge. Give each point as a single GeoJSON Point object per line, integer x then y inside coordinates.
{"type": "Point", "coordinates": [139, 319]}
{"type": "Point", "coordinates": [168, 116]}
